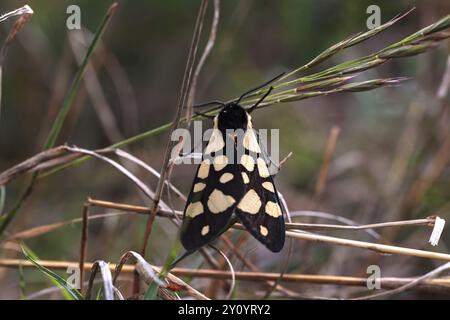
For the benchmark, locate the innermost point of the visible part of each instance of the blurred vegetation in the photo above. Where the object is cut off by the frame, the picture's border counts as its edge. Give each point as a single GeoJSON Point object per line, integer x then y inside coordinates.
{"type": "Point", "coordinates": [256, 39]}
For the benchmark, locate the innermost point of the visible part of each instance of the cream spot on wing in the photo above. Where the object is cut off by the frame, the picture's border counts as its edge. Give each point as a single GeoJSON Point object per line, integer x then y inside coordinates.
{"type": "Point", "coordinates": [268, 186]}
{"type": "Point", "coordinates": [203, 171]}
{"type": "Point", "coordinates": [226, 177]}
{"type": "Point", "coordinates": [219, 202]}
{"type": "Point", "coordinates": [248, 162]}
{"type": "Point", "coordinates": [250, 203]}
{"type": "Point", "coordinates": [262, 168]}
{"type": "Point", "coordinates": [220, 162]}
{"type": "Point", "coordinates": [194, 209]}
{"type": "Point", "coordinates": [216, 142]}
{"type": "Point", "coordinates": [273, 209]}
{"type": "Point", "coordinates": [245, 178]}
{"type": "Point", "coordinates": [263, 230]}
{"type": "Point", "coordinates": [205, 230]}
{"type": "Point", "coordinates": [200, 186]}
{"type": "Point", "coordinates": [250, 142]}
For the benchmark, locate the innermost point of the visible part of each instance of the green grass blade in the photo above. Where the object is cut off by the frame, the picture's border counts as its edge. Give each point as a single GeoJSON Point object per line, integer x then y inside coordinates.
{"type": "Point", "coordinates": [22, 284]}
{"type": "Point", "coordinates": [152, 289]}
{"type": "Point", "coordinates": [58, 124]}
{"type": "Point", "coordinates": [352, 66]}
{"type": "Point", "coordinates": [2, 198]}
{"type": "Point", "coordinates": [120, 144]}
{"type": "Point", "coordinates": [74, 293]}
{"type": "Point", "coordinates": [32, 254]}
{"type": "Point", "coordinates": [68, 101]}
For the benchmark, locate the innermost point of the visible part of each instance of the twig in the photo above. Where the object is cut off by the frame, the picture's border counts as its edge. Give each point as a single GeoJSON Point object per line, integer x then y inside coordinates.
{"type": "Point", "coordinates": [142, 186]}
{"type": "Point", "coordinates": [388, 282]}
{"type": "Point", "coordinates": [142, 267]}
{"type": "Point", "coordinates": [84, 242]}
{"type": "Point", "coordinates": [25, 12]}
{"type": "Point", "coordinates": [55, 156]}
{"type": "Point", "coordinates": [289, 225]}
{"type": "Point", "coordinates": [417, 43]}
{"type": "Point", "coordinates": [56, 162]}
{"type": "Point", "coordinates": [108, 288]}
{"type": "Point", "coordinates": [130, 157]}
{"type": "Point", "coordinates": [334, 217]}
{"type": "Point", "coordinates": [318, 226]}
{"type": "Point", "coordinates": [385, 249]}
{"type": "Point", "coordinates": [26, 9]}
{"type": "Point", "coordinates": [148, 273]}
{"type": "Point", "coordinates": [232, 272]}
{"type": "Point", "coordinates": [233, 249]}
{"type": "Point", "coordinates": [180, 105]}
{"type": "Point", "coordinates": [208, 48]}
{"type": "Point", "coordinates": [40, 230]}
{"type": "Point", "coordinates": [8, 175]}
{"type": "Point", "coordinates": [380, 248]}
{"type": "Point", "coordinates": [329, 150]}
{"type": "Point", "coordinates": [411, 284]}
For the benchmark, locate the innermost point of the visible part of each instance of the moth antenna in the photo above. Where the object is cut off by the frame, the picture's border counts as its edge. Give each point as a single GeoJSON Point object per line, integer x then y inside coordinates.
{"type": "Point", "coordinates": [259, 87]}
{"type": "Point", "coordinates": [250, 110]}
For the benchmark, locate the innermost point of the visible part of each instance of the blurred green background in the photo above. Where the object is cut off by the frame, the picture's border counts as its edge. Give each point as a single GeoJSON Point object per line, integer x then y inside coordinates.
{"type": "Point", "coordinates": [145, 50]}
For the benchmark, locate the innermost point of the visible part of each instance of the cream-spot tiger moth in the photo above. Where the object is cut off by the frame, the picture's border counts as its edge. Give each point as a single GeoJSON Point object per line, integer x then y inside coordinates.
{"type": "Point", "coordinates": [227, 184]}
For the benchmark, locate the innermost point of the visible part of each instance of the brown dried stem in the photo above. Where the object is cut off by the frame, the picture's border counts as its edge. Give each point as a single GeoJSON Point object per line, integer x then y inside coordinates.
{"type": "Point", "coordinates": [185, 88]}
{"type": "Point", "coordinates": [84, 242]}
{"type": "Point", "coordinates": [328, 154]}
{"type": "Point", "coordinates": [387, 282]}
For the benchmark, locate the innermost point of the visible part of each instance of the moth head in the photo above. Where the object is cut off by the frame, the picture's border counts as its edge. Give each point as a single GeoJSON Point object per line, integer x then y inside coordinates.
{"type": "Point", "coordinates": [232, 116]}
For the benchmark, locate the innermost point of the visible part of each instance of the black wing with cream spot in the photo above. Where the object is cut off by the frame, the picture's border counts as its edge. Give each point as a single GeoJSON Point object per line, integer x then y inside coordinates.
{"type": "Point", "coordinates": [259, 209]}
{"type": "Point", "coordinates": [217, 189]}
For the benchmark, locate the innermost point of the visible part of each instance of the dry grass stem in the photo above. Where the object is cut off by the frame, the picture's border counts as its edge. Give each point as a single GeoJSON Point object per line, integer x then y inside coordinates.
{"type": "Point", "coordinates": [206, 52]}
{"type": "Point", "coordinates": [328, 154]}
{"type": "Point", "coordinates": [108, 288]}
{"type": "Point", "coordinates": [182, 99]}
{"type": "Point", "coordinates": [84, 242]}
{"type": "Point", "coordinates": [387, 282]}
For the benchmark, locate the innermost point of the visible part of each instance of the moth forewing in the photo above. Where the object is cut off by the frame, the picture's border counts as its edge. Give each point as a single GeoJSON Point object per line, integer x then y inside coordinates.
{"type": "Point", "coordinates": [216, 190]}
{"type": "Point", "coordinates": [260, 209]}
{"type": "Point", "coordinates": [233, 177]}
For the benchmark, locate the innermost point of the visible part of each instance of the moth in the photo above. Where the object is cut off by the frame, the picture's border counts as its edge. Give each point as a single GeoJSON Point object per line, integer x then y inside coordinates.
{"type": "Point", "coordinates": [233, 180]}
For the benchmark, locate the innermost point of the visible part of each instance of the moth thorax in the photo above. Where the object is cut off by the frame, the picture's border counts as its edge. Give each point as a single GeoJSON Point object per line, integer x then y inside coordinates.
{"type": "Point", "coordinates": [232, 116]}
